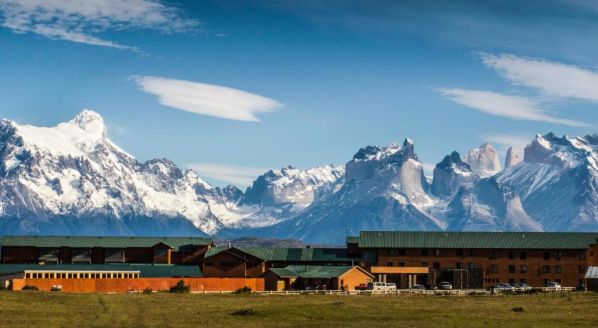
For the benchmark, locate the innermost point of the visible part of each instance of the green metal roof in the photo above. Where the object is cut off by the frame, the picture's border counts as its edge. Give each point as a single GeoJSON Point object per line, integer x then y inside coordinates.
{"type": "Point", "coordinates": [291, 254]}
{"type": "Point", "coordinates": [500, 240]}
{"type": "Point", "coordinates": [145, 270]}
{"type": "Point", "coordinates": [352, 240]}
{"type": "Point", "coordinates": [106, 242]}
{"type": "Point", "coordinates": [311, 271]}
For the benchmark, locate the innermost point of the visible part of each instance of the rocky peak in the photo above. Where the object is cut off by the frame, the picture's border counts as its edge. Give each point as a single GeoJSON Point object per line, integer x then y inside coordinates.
{"type": "Point", "coordinates": [90, 121]}
{"type": "Point", "coordinates": [450, 174]}
{"type": "Point", "coordinates": [512, 157]}
{"type": "Point", "coordinates": [483, 160]}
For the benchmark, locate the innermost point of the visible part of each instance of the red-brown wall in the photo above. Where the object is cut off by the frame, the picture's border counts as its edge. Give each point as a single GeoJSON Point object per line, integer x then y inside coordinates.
{"type": "Point", "coordinates": [138, 285]}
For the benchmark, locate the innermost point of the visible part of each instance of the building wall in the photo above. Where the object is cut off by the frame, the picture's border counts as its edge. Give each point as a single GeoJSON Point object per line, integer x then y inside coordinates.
{"type": "Point", "coordinates": [352, 279]}
{"type": "Point", "coordinates": [571, 263]}
{"type": "Point", "coordinates": [140, 284]}
{"type": "Point", "coordinates": [225, 264]}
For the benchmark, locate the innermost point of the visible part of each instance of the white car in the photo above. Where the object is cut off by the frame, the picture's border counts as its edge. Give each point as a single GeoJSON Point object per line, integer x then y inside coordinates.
{"type": "Point", "coordinates": [504, 287]}
{"type": "Point", "coordinates": [390, 287]}
{"type": "Point", "coordinates": [553, 286]}
{"type": "Point", "coordinates": [374, 287]}
{"type": "Point", "coordinates": [445, 285]}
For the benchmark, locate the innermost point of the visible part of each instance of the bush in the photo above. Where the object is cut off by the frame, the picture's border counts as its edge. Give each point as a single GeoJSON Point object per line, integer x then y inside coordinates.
{"type": "Point", "coordinates": [29, 287]}
{"type": "Point", "coordinates": [244, 290]}
{"type": "Point", "coordinates": [245, 312]}
{"type": "Point", "coordinates": [148, 291]}
{"type": "Point", "coordinates": [518, 309]}
{"type": "Point", "coordinates": [180, 287]}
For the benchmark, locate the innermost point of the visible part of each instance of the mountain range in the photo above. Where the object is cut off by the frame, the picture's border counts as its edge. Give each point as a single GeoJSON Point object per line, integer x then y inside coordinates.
{"type": "Point", "coordinates": [71, 179]}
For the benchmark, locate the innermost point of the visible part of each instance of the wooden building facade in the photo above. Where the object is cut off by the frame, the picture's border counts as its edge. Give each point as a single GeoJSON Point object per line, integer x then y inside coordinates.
{"type": "Point", "coordinates": [482, 259]}
{"type": "Point", "coordinates": [247, 262]}
{"type": "Point", "coordinates": [102, 250]}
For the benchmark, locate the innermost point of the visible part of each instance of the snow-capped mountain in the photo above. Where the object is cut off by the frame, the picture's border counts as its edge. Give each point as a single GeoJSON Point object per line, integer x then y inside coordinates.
{"type": "Point", "coordinates": [71, 179]}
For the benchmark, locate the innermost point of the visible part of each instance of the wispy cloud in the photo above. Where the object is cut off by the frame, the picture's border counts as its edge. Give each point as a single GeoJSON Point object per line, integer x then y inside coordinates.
{"type": "Point", "coordinates": [498, 104]}
{"type": "Point", "coordinates": [553, 79]}
{"type": "Point", "coordinates": [505, 140]}
{"type": "Point", "coordinates": [82, 21]}
{"type": "Point", "coordinates": [207, 99]}
{"type": "Point", "coordinates": [241, 176]}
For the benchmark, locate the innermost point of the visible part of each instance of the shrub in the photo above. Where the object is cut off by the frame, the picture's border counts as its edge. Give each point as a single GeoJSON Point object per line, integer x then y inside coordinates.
{"type": "Point", "coordinates": [148, 291]}
{"type": "Point", "coordinates": [29, 287]}
{"type": "Point", "coordinates": [180, 287]}
{"type": "Point", "coordinates": [245, 312]}
{"type": "Point", "coordinates": [518, 309]}
{"type": "Point", "coordinates": [244, 290]}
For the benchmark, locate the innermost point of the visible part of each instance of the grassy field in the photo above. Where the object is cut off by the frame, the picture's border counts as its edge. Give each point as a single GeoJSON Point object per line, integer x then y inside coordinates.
{"type": "Point", "coordinates": [36, 309]}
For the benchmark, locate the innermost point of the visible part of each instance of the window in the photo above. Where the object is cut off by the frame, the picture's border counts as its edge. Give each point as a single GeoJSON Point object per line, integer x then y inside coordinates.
{"type": "Point", "coordinates": [436, 252]}
{"type": "Point", "coordinates": [436, 265]}
{"type": "Point", "coordinates": [523, 268]}
{"type": "Point", "coordinates": [547, 269]}
{"type": "Point", "coordinates": [401, 264]}
{"type": "Point", "coordinates": [459, 252]}
{"type": "Point", "coordinates": [511, 281]}
{"type": "Point", "coordinates": [459, 265]}
{"type": "Point", "coordinates": [511, 255]}
{"type": "Point", "coordinates": [392, 252]}
{"type": "Point", "coordinates": [581, 269]}
{"type": "Point", "coordinates": [494, 268]}
{"type": "Point", "coordinates": [582, 255]}
{"type": "Point", "coordinates": [471, 265]}
{"type": "Point", "coordinates": [558, 255]}
{"type": "Point", "coordinates": [523, 255]}
{"type": "Point", "coordinates": [471, 252]}
{"type": "Point", "coordinates": [209, 264]}
{"type": "Point", "coordinates": [511, 269]}
{"type": "Point", "coordinates": [388, 264]}
{"type": "Point", "coordinates": [523, 281]}
{"type": "Point", "coordinates": [369, 257]}
{"type": "Point", "coordinates": [557, 268]}
{"type": "Point", "coordinates": [547, 255]}
{"type": "Point", "coordinates": [401, 252]}
{"type": "Point", "coordinates": [424, 264]}
{"type": "Point", "coordinates": [424, 252]}
{"type": "Point", "coordinates": [494, 254]}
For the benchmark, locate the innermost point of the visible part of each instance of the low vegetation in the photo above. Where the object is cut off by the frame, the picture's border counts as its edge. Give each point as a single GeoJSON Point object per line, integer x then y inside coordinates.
{"type": "Point", "coordinates": [180, 288]}
{"type": "Point", "coordinates": [24, 309]}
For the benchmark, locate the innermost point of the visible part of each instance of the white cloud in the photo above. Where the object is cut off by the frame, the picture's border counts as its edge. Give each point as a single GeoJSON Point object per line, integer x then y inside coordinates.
{"type": "Point", "coordinates": [505, 140]}
{"type": "Point", "coordinates": [553, 79]}
{"type": "Point", "coordinates": [493, 103]}
{"type": "Point", "coordinates": [207, 99]}
{"type": "Point", "coordinates": [236, 175]}
{"type": "Point", "coordinates": [82, 20]}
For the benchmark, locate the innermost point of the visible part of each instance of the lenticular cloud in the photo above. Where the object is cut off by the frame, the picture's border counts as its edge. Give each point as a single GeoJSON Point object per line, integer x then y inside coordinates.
{"type": "Point", "coordinates": [207, 99]}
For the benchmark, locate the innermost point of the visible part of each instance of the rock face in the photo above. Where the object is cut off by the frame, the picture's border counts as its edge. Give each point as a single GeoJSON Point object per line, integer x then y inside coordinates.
{"type": "Point", "coordinates": [511, 158]}
{"type": "Point", "coordinates": [450, 175]}
{"type": "Point", "coordinates": [483, 161]}
{"type": "Point", "coordinates": [71, 179]}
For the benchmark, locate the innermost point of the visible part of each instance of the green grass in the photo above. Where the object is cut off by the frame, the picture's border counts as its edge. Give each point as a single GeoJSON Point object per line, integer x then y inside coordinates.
{"type": "Point", "coordinates": [38, 309]}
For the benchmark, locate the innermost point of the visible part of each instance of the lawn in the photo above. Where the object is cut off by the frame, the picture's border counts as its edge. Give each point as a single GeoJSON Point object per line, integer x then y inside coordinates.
{"type": "Point", "coordinates": [55, 309]}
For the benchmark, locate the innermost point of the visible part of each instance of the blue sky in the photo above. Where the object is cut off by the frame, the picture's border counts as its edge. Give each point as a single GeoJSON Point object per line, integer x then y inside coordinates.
{"type": "Point", "coordinates": [232, 88]}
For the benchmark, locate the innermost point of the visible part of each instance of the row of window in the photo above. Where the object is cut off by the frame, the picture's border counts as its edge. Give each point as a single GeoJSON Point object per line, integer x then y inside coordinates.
{"type": "Point", "coordinates": [81, 275]}
{"type": "Point", "coordinates": [494, 267]}
{"type": "Point", "coordinates": [493, 255]}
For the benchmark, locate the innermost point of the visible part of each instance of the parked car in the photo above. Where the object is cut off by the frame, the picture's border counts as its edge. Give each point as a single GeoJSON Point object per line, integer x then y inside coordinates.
{"type": "Point", "coordinates": [445, 285]}
{"type": "Point", "coordinates": [377, 287]}
{"type": "Point", "coordinates": [362, 287]}
{"type": "Point", "coordinates": [553, 286]}
{"type": "Point", "coordinates": [418, 288]}
{"type": "Point", "coordinates": [390, 287]}
{"type": "Point", "coordinates": [502, 287]}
